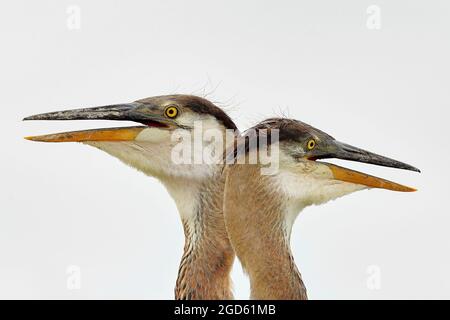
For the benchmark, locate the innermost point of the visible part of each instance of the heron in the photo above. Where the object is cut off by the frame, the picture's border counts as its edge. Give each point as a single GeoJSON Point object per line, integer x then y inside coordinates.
{"type": "Point", "coordinates": [196, 187]}
{"type": "Point", "coordinates": [259, 210]}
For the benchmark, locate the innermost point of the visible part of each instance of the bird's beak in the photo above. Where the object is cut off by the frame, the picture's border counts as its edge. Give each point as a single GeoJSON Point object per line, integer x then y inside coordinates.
{"type": "Point", "coordinates": [112, 134]}
{"type": "Point", "coordinates": [344, 151]}
{"type": "Point", "coordinates": [121, 112]}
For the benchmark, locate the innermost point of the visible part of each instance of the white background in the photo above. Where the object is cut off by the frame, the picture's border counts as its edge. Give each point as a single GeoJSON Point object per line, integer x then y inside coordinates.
{"type": "Point", "coordinates": [384, 90]}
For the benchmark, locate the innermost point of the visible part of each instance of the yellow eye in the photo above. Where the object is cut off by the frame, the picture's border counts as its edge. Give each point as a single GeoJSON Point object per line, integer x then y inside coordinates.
{"type": "Point", "coordinates": [311, 144]}
{"type": "Point", "coordinates": [171, 112]}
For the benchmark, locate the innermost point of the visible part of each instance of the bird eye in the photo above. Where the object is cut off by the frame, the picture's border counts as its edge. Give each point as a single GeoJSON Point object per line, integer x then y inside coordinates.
{"type": "Point", "coordinates": [171, 112]}
{"type": "Point", "coordinates": [311, 144]}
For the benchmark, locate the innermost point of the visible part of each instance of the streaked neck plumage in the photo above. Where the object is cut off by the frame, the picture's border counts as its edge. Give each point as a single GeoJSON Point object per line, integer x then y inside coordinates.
{"type": "Point", "coordinates": [208, 257]}
{"type": "Point", "coordinates": [256, 226]}
{"type": "Point", "coordinates": [198, 193]}
{"type": "Point", "coordinates": [259, 212]}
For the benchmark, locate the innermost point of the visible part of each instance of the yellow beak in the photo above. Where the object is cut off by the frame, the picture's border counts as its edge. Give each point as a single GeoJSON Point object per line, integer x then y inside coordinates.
{"type": "Point", "coordinates": [110, 134]}
{"type": "Point", "coordinates": [348, 175]}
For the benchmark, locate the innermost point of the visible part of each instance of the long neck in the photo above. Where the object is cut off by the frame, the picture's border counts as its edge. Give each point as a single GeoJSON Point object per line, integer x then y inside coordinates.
{"type": "Point", "coordinates": [257, 228]}
{"type": "Point", "coordinates": [208, 257]}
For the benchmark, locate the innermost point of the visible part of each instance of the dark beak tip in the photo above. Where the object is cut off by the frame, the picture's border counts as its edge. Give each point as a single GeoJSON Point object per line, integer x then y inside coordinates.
{"type": "Point", "coordinates": [35, 117]}
{"type": "Point", "coordinates": [414, 169]}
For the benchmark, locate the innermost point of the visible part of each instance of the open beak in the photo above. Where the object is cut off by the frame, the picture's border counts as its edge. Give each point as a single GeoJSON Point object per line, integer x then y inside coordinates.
{"type": "Point", "coordinates": [135, 111]}
{"type": "Point", "coordinates": [112, 134]}
{"type": "Point", "coordinates": [339, 150]}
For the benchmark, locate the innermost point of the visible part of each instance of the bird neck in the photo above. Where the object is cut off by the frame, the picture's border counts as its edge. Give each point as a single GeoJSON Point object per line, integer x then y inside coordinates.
{"type": "Point", "coordinates": [259, 232]}
{"type": "Point", "coordinates": [205, 267]}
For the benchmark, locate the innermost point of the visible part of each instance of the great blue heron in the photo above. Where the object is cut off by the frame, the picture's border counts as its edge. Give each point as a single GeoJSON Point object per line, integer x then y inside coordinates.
{"type": "Point", "coordinates": [196, 187]}
{"type": "Point", "coordinates": [260, 210]}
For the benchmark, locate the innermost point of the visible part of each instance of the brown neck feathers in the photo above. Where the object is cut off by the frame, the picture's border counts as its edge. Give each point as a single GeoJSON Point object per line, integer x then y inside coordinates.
{"type": "Point", "coordinates": [256, 227]}
{"type": "Point", "coordinates": [205, 267]}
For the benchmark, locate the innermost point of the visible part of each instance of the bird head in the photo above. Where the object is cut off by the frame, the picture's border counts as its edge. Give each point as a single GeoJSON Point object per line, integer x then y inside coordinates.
{"type": "Point", "coordinates": [148, 146]}
{"type": "Point", "coordinates": [304, 177]}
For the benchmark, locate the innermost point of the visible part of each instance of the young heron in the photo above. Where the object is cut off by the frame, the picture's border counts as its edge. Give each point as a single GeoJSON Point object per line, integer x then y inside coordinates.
{"type": "Point", "coordinates": [196, 187]}
{"type": "Point", "coordinates": [260, 210]}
